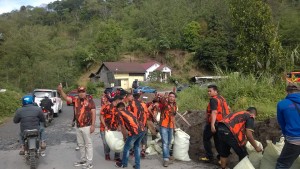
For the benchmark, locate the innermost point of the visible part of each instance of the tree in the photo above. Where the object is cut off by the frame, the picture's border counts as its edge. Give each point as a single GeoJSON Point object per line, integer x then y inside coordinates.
{"type": "Point", "coordinates": [258, 45]}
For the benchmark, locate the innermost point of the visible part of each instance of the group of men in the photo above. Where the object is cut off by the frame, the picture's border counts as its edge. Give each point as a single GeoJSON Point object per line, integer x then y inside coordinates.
{"type": "Point", "coordinates": [233, 130]}
{"type": "Point", "coordinates": [127, 114]}
{"type": "Point", "coordinates": [133, 118]}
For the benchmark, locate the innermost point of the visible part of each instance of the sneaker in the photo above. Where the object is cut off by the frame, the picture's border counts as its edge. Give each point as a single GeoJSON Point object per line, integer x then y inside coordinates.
{"type": "Point", "coordinates": [118, 160]}
{"type": "Point", "coordinates": [166, 163]}
{"type": "Point", "coordinates": [22, 152]}
{"type": "Point", "coordinates": [205, 159]}
{"type": "Point", "coordinates": [107, 157]}
{"type": "Point", "coordinates": [89, 166]}
{"type": "Point", "coordinates": [80, 163]}
{"type": "Point", "coordinates": [77, 148]}
{"type": "Point", "coordinates": [119, 165]}
{"type": "Point", "coordinates": [43, 154]}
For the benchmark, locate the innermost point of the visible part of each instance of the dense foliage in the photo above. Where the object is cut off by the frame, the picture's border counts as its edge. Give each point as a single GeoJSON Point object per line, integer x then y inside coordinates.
{"type": "Point", "coordinates": [40, 47]}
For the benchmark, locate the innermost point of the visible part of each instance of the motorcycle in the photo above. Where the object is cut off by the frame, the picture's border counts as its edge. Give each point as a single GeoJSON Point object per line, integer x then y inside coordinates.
{"type": "Point", "coordinates": [48, 117]}
{"type": "Point", "coordinates": [31, 147]}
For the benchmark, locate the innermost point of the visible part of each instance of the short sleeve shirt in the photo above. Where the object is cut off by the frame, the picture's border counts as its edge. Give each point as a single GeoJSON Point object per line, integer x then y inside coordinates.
{"type": "Point", "coordinates": [213, 104]}
{"type": "Point", "coordinates": [83, 111]}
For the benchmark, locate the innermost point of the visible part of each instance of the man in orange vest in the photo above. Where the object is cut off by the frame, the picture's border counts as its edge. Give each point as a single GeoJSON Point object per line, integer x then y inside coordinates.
{"type": "Point", "coordinates": [217, 109]}
{"type": "Point", "coordinates": [234, 131]}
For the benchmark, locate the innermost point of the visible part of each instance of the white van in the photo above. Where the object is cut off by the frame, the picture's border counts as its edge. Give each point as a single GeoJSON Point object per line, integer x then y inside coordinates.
{"type": "Point", "coordinates": [39, 94]}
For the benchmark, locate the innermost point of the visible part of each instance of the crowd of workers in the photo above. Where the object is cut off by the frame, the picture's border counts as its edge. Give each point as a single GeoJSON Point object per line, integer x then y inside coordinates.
{"type": "Point", "coordinates": [131, 116]}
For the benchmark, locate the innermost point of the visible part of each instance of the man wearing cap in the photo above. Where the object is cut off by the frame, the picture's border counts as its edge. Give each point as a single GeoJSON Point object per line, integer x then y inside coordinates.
{"type": "Point", "coordinates": [288, 116]}
{"type": "Point", "coordinates": [85, 114]}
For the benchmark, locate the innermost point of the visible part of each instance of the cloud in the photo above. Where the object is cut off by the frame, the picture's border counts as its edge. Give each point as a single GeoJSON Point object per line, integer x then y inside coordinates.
{"type": "Point", "coordinates": [9, 5]}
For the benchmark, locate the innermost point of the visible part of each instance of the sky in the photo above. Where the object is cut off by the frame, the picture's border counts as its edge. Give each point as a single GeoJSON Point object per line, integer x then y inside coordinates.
{"type": "Point", "coordinates": [9, 5]}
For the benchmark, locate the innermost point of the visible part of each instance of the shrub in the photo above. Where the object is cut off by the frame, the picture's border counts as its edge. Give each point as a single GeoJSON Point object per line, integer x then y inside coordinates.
{"type": "Point", "coordinates": [91, 88]}
{"type": "Point", "coordinates": [9, 102]}
{"type": "Point", "coordinates": [240, 91]}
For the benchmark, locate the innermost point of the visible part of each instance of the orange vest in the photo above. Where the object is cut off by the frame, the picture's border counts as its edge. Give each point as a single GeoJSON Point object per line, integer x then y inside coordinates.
{"type": "Point", "coordinates": [222, 109]}
{"type": "Point", "coordinates": [236, 123]}
{"type": "Point", "coordinates": [167, 117]}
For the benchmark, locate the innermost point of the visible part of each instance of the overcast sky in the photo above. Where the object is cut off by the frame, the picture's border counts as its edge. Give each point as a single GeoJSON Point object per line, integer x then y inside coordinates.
{"type": "Point", "coordinates": [9, 5]}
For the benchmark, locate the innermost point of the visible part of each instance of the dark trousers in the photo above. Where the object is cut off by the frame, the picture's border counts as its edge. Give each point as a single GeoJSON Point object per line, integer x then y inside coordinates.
{"type": "Point", "coordinates": [228, 141]}
{"type": "Point", "coordinates": [289, 154]}
{"type": "Point", "coordinates": [207, 135]}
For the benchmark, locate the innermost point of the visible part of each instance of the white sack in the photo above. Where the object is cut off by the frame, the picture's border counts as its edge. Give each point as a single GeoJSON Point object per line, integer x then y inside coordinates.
{"type": "Point", "coordinates": [244, 164]}
{"type": "Point", "coordinates": [115, 140]}
{"type": "Point", "coordinates": [181, 145]}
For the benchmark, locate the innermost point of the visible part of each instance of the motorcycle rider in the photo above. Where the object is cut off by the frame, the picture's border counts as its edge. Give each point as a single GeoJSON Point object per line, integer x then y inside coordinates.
{"type": "Point", "coordinates": [47, 104]}
{"type": "Point", "coordinates": [29, 116]}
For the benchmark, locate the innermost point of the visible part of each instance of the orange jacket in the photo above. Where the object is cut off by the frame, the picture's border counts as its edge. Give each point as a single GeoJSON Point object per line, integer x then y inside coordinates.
{"type": "Point", "coordinates": [236, 123]}
{"type": "Point", "coordinates": [167, 117]}
{"type": "Point", "coordinates": [222, 109]}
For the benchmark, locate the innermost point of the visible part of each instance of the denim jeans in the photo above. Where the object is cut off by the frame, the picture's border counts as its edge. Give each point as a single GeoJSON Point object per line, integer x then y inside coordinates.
{"type": "Point", "coordinates": [133, 141]}
{"type": "Point", "coordinates": [207, 135]}
{"type": "Point", "coordinates": [166, 137]}
{"type": "Point", "coordinates": [289, 154]}
{"type": "Point", "coordinates": [106, 147]}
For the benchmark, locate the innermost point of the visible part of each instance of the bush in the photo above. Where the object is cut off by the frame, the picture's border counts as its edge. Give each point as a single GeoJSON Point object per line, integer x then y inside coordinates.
{"type": "Point", "coordinates": [240, 91]}
{"type": "Point", "coordinates": [9, 102]}
{"type": "Point", "coordinates": [91, 88]}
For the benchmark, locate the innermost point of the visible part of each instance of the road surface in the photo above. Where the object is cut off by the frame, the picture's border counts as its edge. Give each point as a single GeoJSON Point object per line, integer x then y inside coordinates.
{"type": "Point", "coordinates": [61, 143]}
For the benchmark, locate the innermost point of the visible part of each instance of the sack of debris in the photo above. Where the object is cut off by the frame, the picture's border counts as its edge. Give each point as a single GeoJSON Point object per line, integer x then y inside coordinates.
{"type": "Point", "coordinates": [254, 156]}
{"type": "Point", "coordinates": [244, 164]}
{"type": "Point", "coordinates": [271, 154]}
{"type": "Point", "coordinates": [115, 140]}
{"type": "Point", "coordinates": [181, 145]}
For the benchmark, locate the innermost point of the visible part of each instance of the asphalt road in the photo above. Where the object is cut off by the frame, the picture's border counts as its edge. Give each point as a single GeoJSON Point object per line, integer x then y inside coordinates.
{"type": "Point", "coordinates": [61, 143]}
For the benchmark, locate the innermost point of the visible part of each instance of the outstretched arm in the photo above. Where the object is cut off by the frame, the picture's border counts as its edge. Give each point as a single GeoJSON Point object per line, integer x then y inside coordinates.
{"type": "Point", "coordinates": [63, 94]}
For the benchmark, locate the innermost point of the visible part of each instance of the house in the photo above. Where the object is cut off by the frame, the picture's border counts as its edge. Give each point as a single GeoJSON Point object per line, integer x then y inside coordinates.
{"type": "Point", "coordinates": [124, 73]}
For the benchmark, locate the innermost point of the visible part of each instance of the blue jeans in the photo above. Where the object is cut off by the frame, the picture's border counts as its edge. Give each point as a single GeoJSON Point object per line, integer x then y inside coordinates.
{"type": "Point", "coordinates": [166, 137]}
{"type": "Point", "coordinates": [289, 154]}
{"type": "Point", "coordinates": [106, 147]}
{"type": "Point", "coordinates": [133, 141]}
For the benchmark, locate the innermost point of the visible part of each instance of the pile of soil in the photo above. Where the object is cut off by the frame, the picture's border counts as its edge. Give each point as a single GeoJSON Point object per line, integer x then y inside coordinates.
{"type": "Point", "coordinates": [265, 130]}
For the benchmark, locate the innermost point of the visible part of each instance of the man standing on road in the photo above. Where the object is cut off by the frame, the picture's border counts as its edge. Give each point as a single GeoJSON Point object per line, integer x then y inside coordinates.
{"type": "Point", "coordinates": [140, 109]}
{"type": "Point", "coordinates": [85, 113]}
{"type": "Point", "coordinates": [29, 116]}
{"type": "Point", "coordinates": [217, 109]}
{"type": "Point", "coordinates": [108, 122]}
{"type": "Point", "coordinates": [167, 125]}
{"type": "Point", "coordinates": [288, 116]}
{"type": "Point", "coordinates": [136, 131]}
{"type": "Point", "coordinates": [234, 131]}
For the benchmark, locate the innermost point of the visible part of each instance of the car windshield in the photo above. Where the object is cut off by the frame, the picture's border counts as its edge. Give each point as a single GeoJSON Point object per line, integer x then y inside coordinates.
{"type": "Point", "coordinates": [42, 93]}
{"type": "Point", "coordinates": [140, 87]}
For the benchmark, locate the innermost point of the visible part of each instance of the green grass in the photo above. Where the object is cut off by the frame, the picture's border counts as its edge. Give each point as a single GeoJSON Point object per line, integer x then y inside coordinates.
{"type": "Point", "coordinates": [240, 91]}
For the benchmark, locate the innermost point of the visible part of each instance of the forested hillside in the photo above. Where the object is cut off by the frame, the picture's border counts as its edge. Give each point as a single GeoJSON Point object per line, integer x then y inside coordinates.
{"type": "Point", "coordinates": [40, 47]}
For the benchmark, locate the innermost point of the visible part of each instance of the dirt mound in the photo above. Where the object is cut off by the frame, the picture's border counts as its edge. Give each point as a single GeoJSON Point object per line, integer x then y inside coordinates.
{"type": "Point", "coordinates": [268, 129]}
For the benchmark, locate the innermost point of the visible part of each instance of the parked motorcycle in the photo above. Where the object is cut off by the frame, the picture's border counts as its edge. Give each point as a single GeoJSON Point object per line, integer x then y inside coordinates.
{"type": "Point", "coordinates": [48, 117]}
{"type": "Point", "coordinates": [31, 148]}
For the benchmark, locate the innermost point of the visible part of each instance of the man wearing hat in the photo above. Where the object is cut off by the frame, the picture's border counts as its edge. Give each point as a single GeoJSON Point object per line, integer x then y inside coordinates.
{"type": "Point", "coordinates": [288, 116]}
{"type": "Point", "coordinates": [85, 115]}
